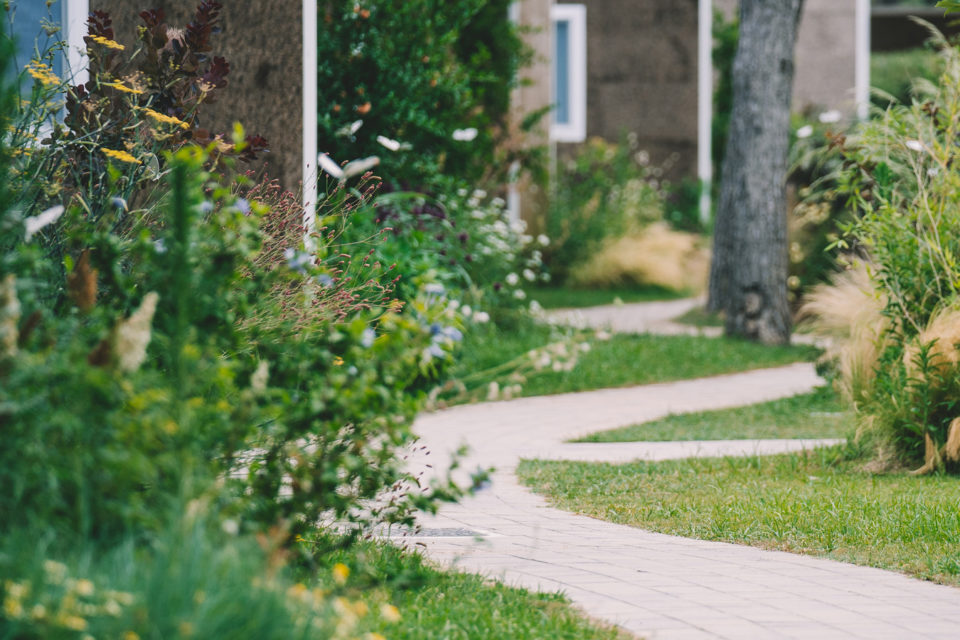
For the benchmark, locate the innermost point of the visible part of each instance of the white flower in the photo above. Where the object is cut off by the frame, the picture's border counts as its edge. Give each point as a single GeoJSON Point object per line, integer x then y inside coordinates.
{"type": "Point", "coordinates": [466, 311]}
{"type": "Point", "coordinates": [805, 131]}
{"type": "Point", "coordinates": [393, 145]}
{"type": "Point", "coordinates": [544, 240]}
{"type": "Point", "coordinates": [519, 294]}
{"type": "Point", "coordinates": [914, 145]}
{"type": "Point", "coordinates": [37, 222]}
{"type": "Point", "coordinates": [132, 335]}
{"type": "Point", "coordinates": [481, 317]}
{"type": "Point", "coordinates": [230, 527]}
{"type": "Point", "coordinates": [512, 279]}
{"type": "Point", "coordinates": [535, 307]}
{"type": "Point", "coordinates": [327, 164]}
{"type": "Point", "coordinates": [434, 288]}
{"type": "Point", "coordinates": [260, 377]}
{"type": "Point", "coordinates": [368, 338]}
{"type": "Point", "coordinates": [348, 130]}
{"type": "Point", "coordinates": [529, 275]}
{"type": "Point", "coordinates": [465, 135]}
{"type": "Point", "coordinates": [828, 117]}
{"type": "Point", "coordinates": [357, 167]}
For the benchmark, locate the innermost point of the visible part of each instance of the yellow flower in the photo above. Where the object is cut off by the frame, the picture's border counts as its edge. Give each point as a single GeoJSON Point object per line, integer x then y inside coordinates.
{"type": "Point", "coordinates": [43, 73]}
{"type": "Point", "coordinates": [373, 635]}
{"type": "Point", "coordinates": [337, 362]}
{"type": "Point", "coordinates": [390, 613]}
{"type": "Point", "coordinates": [131, 635]}
{"type": "Point", "coordinates": [341, 571]}
{"type": "Point", "coordinates": [12, 608]}
{"type": "Point", "coordinates": [108, 43]}
{"type": "Point", "coordinates": [119, 86]}
{"type": "Point", "coordinates": [75, 623]}
{"type": "Point", "coordinates": [185, 628]}
{"type": "Point", "coordinates": [83, 587]}
{"type": "Point", "coordinates": [122, 156]}
{"type": "Point", "coordinates": [165, 119]}
{"type": "Point", "coordinates": [360, 608]}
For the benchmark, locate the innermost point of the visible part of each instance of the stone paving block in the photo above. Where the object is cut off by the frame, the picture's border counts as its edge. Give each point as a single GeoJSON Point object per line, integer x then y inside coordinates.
{"type": "Point", "coordinates": [657, 585]}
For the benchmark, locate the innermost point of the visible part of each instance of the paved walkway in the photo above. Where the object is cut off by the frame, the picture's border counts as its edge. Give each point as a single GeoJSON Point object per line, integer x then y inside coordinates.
{"type": "Point", "coordinates": [654, 585]}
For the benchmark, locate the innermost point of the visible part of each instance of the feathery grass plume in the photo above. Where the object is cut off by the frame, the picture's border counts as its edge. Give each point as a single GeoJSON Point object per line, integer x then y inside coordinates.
{"type": "Point", "coordinates": [951, 450]}
{"type": "Point", "coordinates": [9, 317]}
{"type": "Point", "coordinates": [82, 283]}
{"type": "Point", "coordinates": [942, 333]}
{"type": "Point", "coordinates": [849, 311]}
{"type": "Point", "coordinates": [657, 255]}
{"type": "Point", "coordinates": [131, 336]}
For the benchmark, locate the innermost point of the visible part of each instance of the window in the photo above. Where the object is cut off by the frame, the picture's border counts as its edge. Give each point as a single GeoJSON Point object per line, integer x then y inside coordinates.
{"type": "Point", "coordinates": [569, 87]}
{"type": "Point", "coordinates": [28, 19]}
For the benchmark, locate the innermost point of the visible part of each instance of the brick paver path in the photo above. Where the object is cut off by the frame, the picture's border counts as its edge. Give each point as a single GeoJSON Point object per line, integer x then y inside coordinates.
{"type": "Point", "coordinates": [654, 585]}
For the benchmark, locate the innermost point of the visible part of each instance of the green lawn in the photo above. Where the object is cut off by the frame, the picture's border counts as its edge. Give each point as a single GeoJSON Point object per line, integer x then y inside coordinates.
{"type": "Point", "coordinates": [820, 503]}
{"type": "Point", "coordinates": [448, 605]}
{"type": "Point", "coordinates": [621, 360]}
{"type": "Point", "coordinates": [820, 414]}
{"type": "Point", "coordinates": [561, 297]}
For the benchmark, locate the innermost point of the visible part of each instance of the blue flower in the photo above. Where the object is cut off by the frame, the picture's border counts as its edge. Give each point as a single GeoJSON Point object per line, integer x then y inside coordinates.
{"type": "Point", "coordinates": [325, 280]}
{"type": "Point", "coordinates": [242, 205]}
{"type": "Point", "coordinates": [298, 260]}
{"type": "Point", "coordinates": [206, 206]}
{"type": "Point", "coordinates": [119, 203]}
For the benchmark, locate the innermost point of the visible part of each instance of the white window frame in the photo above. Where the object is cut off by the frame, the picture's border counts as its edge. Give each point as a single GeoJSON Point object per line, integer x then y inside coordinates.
{"type": "Point", "coordinates": [575, 15]}
{"type": "Point", "coordinates": [73, 19]}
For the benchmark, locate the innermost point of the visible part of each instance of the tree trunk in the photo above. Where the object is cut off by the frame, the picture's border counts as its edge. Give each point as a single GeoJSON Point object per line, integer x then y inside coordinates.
{"type": "Point", "coordinates": [748, 276]}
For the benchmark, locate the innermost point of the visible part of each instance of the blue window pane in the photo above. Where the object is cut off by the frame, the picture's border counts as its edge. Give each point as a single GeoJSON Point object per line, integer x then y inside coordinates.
{"type": "Point", "coordinates": [561, 80]}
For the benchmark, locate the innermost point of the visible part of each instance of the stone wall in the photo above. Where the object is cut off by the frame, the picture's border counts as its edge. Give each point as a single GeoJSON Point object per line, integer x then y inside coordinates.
{"type": "Point", "coordinates": [262, 43]}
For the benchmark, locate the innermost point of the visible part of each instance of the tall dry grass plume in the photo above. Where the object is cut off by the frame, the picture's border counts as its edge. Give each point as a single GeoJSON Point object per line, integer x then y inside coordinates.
{"type": "Point", "coordinates": [942, 334]}
{"type": "Point", "coordinates": [656, 255]}
{"type": "Point", "coordinates": [848, 311]}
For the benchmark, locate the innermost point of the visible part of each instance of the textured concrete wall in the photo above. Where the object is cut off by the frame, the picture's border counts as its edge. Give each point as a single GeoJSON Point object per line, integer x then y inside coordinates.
{"type": "Point", "coordinates": [262, 43]}
{"type": "Point", "coordinates": [642, 76]}
{"type": "Point", "coordinates": [825, 54]}
{"type": "Point", "coordinates": [826, 57]}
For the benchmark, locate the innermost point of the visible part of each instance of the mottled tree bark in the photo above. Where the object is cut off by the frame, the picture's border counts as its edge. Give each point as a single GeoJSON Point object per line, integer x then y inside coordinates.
{"type": "Point", "coordinates": [748, 276]}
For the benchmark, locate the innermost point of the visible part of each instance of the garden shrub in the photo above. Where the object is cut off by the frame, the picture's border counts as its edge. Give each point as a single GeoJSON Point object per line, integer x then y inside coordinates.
{"type": "Point", "coordinates": [150, 350]}
{"type": "Point", "coordinates": [899, 173]}
{"type": "Point", "coordinates": [604, 191]}
{"type": "Point", "coordinates": [432, 77]}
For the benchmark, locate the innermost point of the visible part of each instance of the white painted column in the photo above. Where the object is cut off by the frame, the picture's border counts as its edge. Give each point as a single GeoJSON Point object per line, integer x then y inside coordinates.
{"type": "Point", "coordinates": [73, 18]}
{"type": "Point", "coordinates": [310, 191]}
{"type": "Point", "coordinates": [862, 39]}
{"type": "Point", "coordinates": [705, 105]}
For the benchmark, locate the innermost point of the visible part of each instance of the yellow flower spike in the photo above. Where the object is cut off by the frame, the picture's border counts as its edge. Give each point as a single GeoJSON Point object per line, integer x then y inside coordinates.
{"type": "Point", "coordinates": [337, 362]}
{"type": "Point", "coordinates": [43, 73]}
{"type": "Point", "coordinates": [165, 119]}
{"type": "Point", "coordinates": [119, 86]}
{"type": "Point", "coordinates": [108, 43]}
{"type": "Point", "coordinates": [341, 571]}
{"type": "Point", "coordinates": [390, 613]}
{"type": "Point", "coordinates": [122, 156]}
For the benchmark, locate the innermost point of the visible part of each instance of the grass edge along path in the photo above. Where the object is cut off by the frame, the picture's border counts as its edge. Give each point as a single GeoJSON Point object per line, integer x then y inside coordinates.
{"type": "Point", "coordinates": [820, 503]}
{"type": "Point", "coordinates": [619, 360]}
{"type": "Point", "coordinates": [432, 603]}
{"type": "Point", "coordinates": [819, 414]}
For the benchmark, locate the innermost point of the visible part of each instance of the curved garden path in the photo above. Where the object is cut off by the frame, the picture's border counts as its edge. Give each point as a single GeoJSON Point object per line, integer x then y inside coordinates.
{"type": "Point", "coordinates": [654, 585]}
